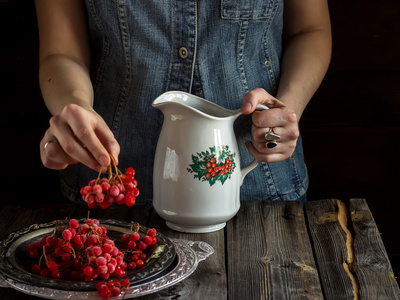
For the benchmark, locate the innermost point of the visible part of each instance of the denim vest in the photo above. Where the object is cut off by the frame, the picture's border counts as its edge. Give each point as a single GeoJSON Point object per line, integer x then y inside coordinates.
{"type": "Point", "coordinates": [215, 49]}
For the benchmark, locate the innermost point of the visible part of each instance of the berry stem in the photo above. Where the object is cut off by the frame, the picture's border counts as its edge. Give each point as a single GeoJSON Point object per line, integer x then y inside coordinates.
{"type": "Point", "coordinates": [110, 174]}
{"type": "Point", "coordinates": [136, 225]}
{"type": "Point", "coordinates": [98, 177]}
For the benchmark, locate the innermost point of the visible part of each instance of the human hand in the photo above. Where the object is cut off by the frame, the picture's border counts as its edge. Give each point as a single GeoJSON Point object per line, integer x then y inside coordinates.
{"type": "Point", "coordinates": [279, 117]}
{"type": "Point", "coordinates": [78, 135]}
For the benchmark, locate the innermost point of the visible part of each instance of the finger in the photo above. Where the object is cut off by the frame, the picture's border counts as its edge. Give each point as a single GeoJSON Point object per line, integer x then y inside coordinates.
{"type": "Point", "coordinates": [254, 97]}
{"type": "Point", "coordinates": [71, 145]}
{"type": "Point", "coordinates": [109, 142]}
{"type": "Point", "coordinates": [270, 157]}
{"type": "Point", "coordinates": [83, 124]}
{"type": "Point", "coordinates": [258, 134]}
{"type": "Point", "coordinates": [276, 117]}
{"type": "Point", "coordinates": [52, 155]}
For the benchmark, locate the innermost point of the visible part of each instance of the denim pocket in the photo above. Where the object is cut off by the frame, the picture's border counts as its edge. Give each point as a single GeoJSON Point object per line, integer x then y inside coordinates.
{"type": "Point", "coordinates": [248, 9]}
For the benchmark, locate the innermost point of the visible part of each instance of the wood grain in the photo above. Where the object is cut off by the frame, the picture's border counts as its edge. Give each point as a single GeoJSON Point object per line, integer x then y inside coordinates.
{"type": "Point", "coordinates": [268, 242]}
{"type": "Point", "coordinates": [209, 280]}
{"type": "Point", "coordinates": [329, 243]}
{"type": "Point", "coordinates": [371, 264]}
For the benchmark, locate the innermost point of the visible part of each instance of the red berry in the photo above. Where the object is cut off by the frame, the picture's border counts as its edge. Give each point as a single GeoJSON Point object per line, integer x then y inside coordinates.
{"type": "Point", "coordinates": [142, 245]}
{"type": "Point", "coordinates": [135, 237]}
{"type": "Point", "coordinates": [52, 266]}
{"type": "Point", "coordinates": [148, 240]}
{"type": "Point", "coordinates": [88, 271]}
{"type": "Point", "coordinates": [105, 186]}
{"type": "Point", "coordinates": [35, 269]}
{"type": "Point", "coordinates": [130, 172]}
{"type": "Point", "coordinates": [125, 282]}
{"type": "Point", "coordinates": [56, 274]}
{"type": "Point", "coordinates": [34, 253]}
{"type": "Point", "coordinates": [152, 232]}
{"type": "Point", "coordinates": [132, 265]}
{"type": "Point", "coordinates": [105, 294]}
{"type": "Point", "coordinates": [130, 200]}
{"type": "Point", "coordinates": [125, 237]}
{"type": "Point", "coordinates": [120, 199]}
{"type": "Point", "coordinates": [67, 235]}
{"type": "Point", "coordinates": [100, 285]}
{"type": "Point", "coordinates": [73, 223]}
{"type": "Point", "coordinates": [115, 291]}
{"type": "Point", "coordinates": [45, 273]}
{"type": "Point", "coordinates": [119, 272]}
{"type": "Point", "coordinates": [114, 191]}
{"type": "Point", "coordinates": [131, 245]}
{"type": "Point", "coordinates": [107, 248]}
{"type": "Point", "coordinates": [101, 261]}
{"type": "Point", "coordinates": [140, 263]}
{"type": "Point", "coordinates": [135, 191]}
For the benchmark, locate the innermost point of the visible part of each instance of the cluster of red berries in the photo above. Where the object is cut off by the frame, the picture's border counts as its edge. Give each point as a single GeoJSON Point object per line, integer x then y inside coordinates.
{"type": "Point", "coordinates": [84, 252]}
{"type": "Point", "coordinates": [213, 169]}
{"type": "Point", "coordinates": [118, 188]}
{"type": "Point", "coordinates": [78, 252]}
{"type": "Point", "coordinates": [112, 288]}
{"type": "Point", "coordinates": [135, 245]}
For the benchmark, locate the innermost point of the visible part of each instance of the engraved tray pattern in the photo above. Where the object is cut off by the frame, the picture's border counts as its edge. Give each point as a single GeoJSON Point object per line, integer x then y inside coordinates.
{"type": "Point", "coordinates": [187, 259]}
{"type": "Point", "coordinates": [13, 257]}
{"type": "Point", "coordinates": [178, 260]}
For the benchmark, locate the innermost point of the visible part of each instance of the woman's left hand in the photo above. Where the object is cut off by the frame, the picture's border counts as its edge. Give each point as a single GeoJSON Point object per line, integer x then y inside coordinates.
{"type": "Point", "coordinates": [281, 118]}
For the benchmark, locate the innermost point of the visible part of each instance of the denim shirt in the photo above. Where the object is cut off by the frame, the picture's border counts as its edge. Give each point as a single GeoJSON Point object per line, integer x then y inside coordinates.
{"type": "Point", "coordinates": [215, 49]}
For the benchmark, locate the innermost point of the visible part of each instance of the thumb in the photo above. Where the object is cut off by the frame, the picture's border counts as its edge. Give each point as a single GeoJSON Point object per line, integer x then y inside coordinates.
{"type": "Point", "coordinates": [256, 96]}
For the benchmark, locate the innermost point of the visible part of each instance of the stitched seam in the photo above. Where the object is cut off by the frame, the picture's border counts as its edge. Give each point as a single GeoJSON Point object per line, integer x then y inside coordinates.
{"type": "Point", "coordinates": [240, 50]}
{"type": "Point", "coordinates": [125, 89]}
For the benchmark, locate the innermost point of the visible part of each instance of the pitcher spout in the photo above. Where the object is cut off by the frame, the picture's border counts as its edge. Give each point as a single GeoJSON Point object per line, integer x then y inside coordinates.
{"type": "Point", "coordinates": [194, 103]}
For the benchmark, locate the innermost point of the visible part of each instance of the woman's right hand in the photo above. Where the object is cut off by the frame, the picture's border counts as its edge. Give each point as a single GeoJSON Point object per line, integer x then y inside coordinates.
{"type": "Point", "coordinates": [78, 135]}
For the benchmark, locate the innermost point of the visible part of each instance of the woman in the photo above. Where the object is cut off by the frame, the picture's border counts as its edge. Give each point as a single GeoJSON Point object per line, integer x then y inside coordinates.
{"type": "Point", "coordinates": [102, 63]}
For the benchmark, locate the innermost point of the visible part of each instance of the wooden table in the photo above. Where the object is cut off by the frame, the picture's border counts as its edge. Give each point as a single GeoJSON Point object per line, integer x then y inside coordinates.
{"type": "Point", "coordinates": [269, 250]}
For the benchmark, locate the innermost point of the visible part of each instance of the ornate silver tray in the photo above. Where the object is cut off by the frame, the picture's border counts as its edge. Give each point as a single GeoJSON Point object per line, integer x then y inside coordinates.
{"type": "Point", "coordinates": [178, 260]}
{"type": "Point", "coordinates": [189, 254]}
{"type": "Point", "coordinates": [13, 259]}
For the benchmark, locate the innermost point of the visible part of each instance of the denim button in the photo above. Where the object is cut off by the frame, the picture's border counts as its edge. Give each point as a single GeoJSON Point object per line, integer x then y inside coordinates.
{"type": "Point", "coordinates": [267, 63]}
{"type": "Point", "coordinates": [183, 52]}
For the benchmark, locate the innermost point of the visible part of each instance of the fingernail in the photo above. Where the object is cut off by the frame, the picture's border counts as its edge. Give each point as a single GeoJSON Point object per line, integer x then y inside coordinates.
{"type": "Point", "coordinates": [103, 160]}
{"type": "Point", "coordinates": [248, 106]}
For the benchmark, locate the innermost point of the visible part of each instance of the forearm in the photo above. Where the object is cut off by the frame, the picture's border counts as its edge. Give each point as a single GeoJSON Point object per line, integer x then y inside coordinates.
{"type": "Point", "coordinates": [64, 81]}
{"type": "Point", "coordinates": [304, 64]}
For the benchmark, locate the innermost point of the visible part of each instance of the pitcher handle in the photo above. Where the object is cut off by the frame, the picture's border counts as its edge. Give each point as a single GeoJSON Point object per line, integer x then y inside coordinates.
{"type": "Point", "coordinates": [255, 162]}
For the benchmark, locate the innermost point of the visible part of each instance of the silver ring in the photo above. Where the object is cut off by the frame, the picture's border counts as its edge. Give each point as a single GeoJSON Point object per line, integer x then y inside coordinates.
{"type": "Point", "coordinates": [49, 142]}
{"type": "Point", "coordinates": [270, 135]}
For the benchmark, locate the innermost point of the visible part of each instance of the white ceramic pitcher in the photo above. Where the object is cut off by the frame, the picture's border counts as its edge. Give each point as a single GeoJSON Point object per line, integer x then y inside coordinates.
{"type": "Point", "coordinates": [197, 174]}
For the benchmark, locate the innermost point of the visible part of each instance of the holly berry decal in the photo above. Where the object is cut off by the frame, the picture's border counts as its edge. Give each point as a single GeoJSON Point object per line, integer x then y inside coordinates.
{"type": "Point", "coordinates": [117, 188]}
{"type": "Point", "coordinates": [214, 165]}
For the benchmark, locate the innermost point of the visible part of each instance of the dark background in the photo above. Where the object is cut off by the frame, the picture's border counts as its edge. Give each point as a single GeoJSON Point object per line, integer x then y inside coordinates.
{"type": "Point", "coordinates": [351, 128]}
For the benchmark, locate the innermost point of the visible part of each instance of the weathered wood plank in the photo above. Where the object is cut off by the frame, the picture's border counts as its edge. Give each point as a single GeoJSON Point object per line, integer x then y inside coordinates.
{"type": "Point", "coordinates": [268, 242]}
{"type": "Point", "coordinates": [329, 243]}
{"type": "Point", "coordinates": [117, 212]}
{"type": "Point", "coordinates": [371, 265]}
{"type": "Point", "coordinates": [209, 279]}
{"type": "Point", "coordinates": [19, 217]}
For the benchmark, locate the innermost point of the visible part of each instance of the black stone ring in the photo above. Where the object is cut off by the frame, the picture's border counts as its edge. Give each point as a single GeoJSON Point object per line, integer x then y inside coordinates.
{"type": "Point", "coordinates": [271, 144]}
